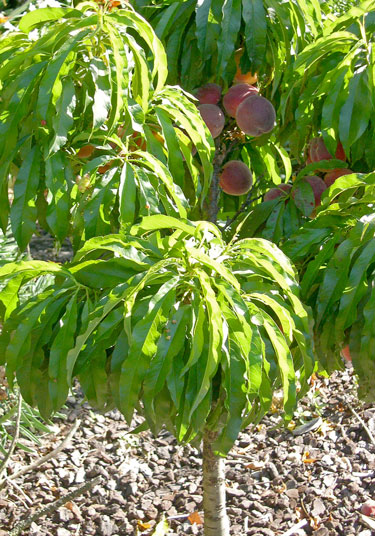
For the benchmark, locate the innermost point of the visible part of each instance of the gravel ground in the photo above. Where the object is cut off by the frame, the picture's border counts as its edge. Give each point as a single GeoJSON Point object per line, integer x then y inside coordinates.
{"type": "Point", "coordinates": [276, 480]}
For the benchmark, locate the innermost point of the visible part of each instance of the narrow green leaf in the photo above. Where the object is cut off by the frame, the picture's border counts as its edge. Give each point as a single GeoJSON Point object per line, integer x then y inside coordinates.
{"type": "Point", "coordinates": [23, 211]}
{"type": "Point", "coordinates": [52, 73]}
{"type": "Point", "coordinates": [127, 195]}
{"type": "Point", "coordinates": [357, 110]}
{"type": "Point", "coordinates": [254, 15]}
{"type": "Point", "coordinates": [47, 14]}
{"type": "Point", "coordinates": [62, 343]}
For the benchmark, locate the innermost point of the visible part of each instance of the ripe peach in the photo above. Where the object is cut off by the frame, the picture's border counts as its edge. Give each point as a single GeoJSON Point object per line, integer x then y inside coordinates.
{"type": "Point", "coordinates": [329, 178]}
{"type": "Point", "coordinates": [86, 151]}
{"type": "Point", "coordinates": [345, 353]}
{"type": "Point", "coordinates": [255, 115]}
{"type": "Point", "coordinates": [282, 190]}
{"type": "Point", "coordinates": [214, 118]}
{"type": "Point", "coordinates": [318, 151]}
{"type": "Point", "coordinates": [235, 178]}
{"type": "Point", "coordinates": [235, 95]}
{"type": "Point", "coordinates": [241, 77]}
{"type": "Point", "coordinates": [209, 94]}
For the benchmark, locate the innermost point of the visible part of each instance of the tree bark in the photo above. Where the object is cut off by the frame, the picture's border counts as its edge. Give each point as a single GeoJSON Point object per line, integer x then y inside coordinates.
{"type": "Point", "coordinates": [216, 521]}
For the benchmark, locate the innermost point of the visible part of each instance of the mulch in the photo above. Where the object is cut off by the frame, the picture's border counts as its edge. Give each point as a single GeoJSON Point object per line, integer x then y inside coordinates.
{"type": "Point", "coordinates": [275, 479]}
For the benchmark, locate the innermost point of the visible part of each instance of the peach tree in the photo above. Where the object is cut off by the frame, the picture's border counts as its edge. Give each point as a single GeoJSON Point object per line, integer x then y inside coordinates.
{"type": "Point", "coordinates": [223, 243]}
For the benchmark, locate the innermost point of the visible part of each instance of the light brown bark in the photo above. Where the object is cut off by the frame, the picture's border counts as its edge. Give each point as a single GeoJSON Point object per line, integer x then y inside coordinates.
{"type": "Point", "coordinates": [216, 521]}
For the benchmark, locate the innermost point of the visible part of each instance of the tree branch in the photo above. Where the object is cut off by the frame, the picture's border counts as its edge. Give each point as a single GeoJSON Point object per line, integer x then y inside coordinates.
{"type": "Point", "coordinates": [242, 208]}
{"type": "Point", "coordinates": [52, 507]}
{"type": "Point", "coordinates": [52, 454]}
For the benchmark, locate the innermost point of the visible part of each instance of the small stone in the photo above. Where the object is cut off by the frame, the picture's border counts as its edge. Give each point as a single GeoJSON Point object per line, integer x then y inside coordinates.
{"type": "Point", "coordinates": [63, 532]}
{"type": "Point", "coordinates": [322, 531]}
{"type": "Point", "coordinates": [292, 493]}
{"type": "Point", "coordinates": [235, 492]}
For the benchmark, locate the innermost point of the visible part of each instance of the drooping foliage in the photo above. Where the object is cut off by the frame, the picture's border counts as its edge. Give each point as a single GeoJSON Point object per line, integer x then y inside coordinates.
{"type": "Point", "coordinates": [182, 326]}
{"type": "Point", "coordinates": [92, 136]}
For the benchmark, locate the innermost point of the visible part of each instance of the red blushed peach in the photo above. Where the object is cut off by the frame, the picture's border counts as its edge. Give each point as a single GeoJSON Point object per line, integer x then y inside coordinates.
{"type": "Point", "coordinates": [318, 151]}
{"type": "Point", "coordinates": [255, 115]}
{"type": "Point", "coordinates": [282, 190]}
{"type": "Point", "coordinates": [235, 178]}
{"type": "Point", "coordinates": [214, 118]}
{"type": "Point", "coordinates": [209, 94]}
{"type": "Point", "coordinates": [329, 178]}
{"type": "Point", "coordinates": [235, 95]}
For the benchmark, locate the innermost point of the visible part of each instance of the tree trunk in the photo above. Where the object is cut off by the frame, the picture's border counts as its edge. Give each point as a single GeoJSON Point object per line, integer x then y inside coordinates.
{"type": "Point", "coordinates": [216, 522]}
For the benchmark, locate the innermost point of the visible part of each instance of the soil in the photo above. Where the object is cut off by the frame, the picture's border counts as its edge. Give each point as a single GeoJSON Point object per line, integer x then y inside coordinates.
{"type": "Point", "coordinates": [276, 478]}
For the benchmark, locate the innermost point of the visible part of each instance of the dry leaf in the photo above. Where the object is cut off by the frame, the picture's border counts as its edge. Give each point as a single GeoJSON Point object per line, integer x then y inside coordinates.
{"type": "Point", "coordinates": [306, 457]}
{"type": "Point", "coordinates": [280, 489]}
{"type": "Point", "coordinates": [195, 518]}
{"type": "Point", "coordinates": [143, 526]}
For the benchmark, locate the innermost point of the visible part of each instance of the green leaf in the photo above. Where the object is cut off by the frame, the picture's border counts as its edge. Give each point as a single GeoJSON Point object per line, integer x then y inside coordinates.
{"type": "Point", "coordinates": [47, 14]}
{"type": "Point", "coordinates": [175, 163]}
{"type": "Point", "coordinates": [167, 348]}
{"type": "Point", "coordinates": [48, 81]}
{"type": "Point", "coordinates": [157, 222]}
{"type": "Point", "coordinates": [102, 274]}
{"type": "Point", "coordinates": [304, 197]}
{"type": "Point", "coordinates": [218, 267]}
{"type": "Point", "coordinates": [63, 120]}
{"type": "Point", "coordinates": [62, 343]}
{"type": "Point", "coordinates": [207, 28]}
{"type": "Point", "coordinates": [356, 287]}
{"type": "Point", "coordinates": [285, 364]}
{"type": "Point", "coordinates": [23, 211]}
{"type": "Point", "coordinates": [93, 320]}
{"type": "Point", "coordinates": [215, 332]}
{"type": "Point", "coordinates": [197, 337]}
{"type": "Point", "coordinates": [143, 346]}
{"type": "Point", "coordinates": [357, 110]}
{"type": "Point", "coordinates": [180, 204]}
{"type": "Point", "coordinates": [145, 31]}
{"type": "Point", "coordinates": [120, 77]}
{"type": "Point", "coordinates": [254, 15]}
{"type": "Point", "coordinates": [102, 96]}
{"type": "Point", "coordinates": [57, 181]}
{"type": "Point", "coordinates": [127, 195]}
{"type": "Point", "coordinates": [230, 26]}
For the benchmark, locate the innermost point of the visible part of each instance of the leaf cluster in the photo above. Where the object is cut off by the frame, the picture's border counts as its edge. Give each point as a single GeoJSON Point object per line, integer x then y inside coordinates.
{"type": "Point", "coordinates": [168, 319]}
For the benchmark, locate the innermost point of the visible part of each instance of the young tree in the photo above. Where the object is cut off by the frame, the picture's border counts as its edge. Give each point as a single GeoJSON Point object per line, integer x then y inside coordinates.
{"type": "Point", "coordinates": [179, 302]}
